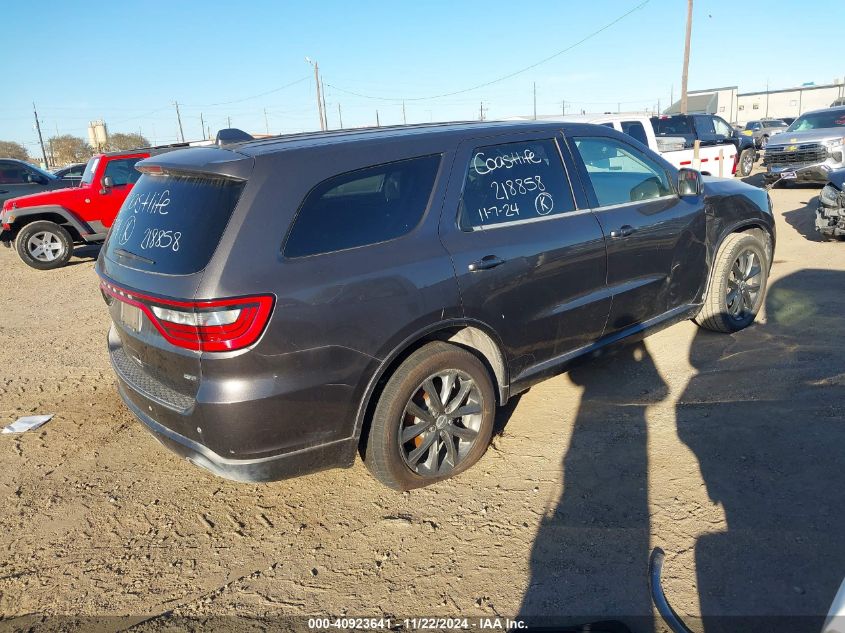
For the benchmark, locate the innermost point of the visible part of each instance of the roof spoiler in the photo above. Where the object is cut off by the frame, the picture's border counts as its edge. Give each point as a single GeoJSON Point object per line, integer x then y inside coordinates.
{"type": "Point", "coordinates": [230, 135]}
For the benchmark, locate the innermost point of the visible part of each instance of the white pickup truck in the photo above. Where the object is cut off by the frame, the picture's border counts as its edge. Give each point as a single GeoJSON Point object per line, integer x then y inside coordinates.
{"type": "Point", "coordinates": [717, 153]}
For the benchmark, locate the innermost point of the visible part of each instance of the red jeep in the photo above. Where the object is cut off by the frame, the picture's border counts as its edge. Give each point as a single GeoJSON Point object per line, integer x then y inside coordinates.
{"type": "Point", "coordinates": [45, 226]}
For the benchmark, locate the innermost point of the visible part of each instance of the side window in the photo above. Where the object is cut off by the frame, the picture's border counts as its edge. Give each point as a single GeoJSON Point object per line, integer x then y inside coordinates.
{"type": "Point", "coordinates": [722, 127]}
{"type": "Point", "coordinates": [514, 181]}
{"type": "Point", "coordinates": [619, 173]}
{"type": "Point", "coordinates": [123, 171]}
{"type": "Point", "coordinates": [704, 124]}
{"type": "Point", "coordinates": [12, 174]}
{"type": "Point", "coordinates": [363, 207]}
{"type": "Point", "coordinates": [636, 130]}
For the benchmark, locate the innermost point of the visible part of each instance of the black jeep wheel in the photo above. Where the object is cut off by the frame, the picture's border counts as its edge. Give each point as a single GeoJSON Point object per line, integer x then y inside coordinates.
{"type": "Point", "coordinates": [433, 420]}
{"type": "Point", "coordinates": [44, 245]}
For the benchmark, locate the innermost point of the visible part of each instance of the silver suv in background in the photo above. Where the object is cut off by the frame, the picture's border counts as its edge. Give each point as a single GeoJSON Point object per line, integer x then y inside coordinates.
{"type": "Point", "coordinates": [809, 149]}
{"type": "Point", "coordinates": [762, 130]}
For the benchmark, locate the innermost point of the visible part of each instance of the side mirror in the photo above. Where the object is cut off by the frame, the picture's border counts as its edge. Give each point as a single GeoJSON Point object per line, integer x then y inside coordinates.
{"type": "Point", "coordinates": [36, 179]}
{"type": "Point", "coordinates": [689, 183]}
{"type": "Point", "coordinates": [107, 182]}
{"type": "Point", "coordinates": [721, 138]}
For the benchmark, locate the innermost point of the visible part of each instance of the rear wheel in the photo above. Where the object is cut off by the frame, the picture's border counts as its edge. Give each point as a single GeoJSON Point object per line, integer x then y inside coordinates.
{"type": "Point", "coordinates": [737, 286]}
{"type": "Point", "coordinates": [433, 420]}
{"type": "Point", "coordinates": [44, 245]}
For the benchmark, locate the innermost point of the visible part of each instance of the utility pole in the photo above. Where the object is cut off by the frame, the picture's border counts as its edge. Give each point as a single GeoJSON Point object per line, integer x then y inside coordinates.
{"type": "Point", "coordinates": [228, 121]}
{"type": "Point", "coordinates": [202, 126]}
{"type": "Point", "coordinates": [481, 112]}
{"type": "Point", "coordinates": [266, 123]}
{"type": "Point", "coordinates": [325, 112]}
{"type": "Point", "coordinates": [404, 120]}
{"type": "Point", "coordinates": [378, 124]}
{"type": "Point", "coordinates": [535, 100]}
{"type": "Point", "coordinates": [563, 108]}
{"type": "Point", "coordinates": [767, 98]}
{"type": "Point", "coordinates": [40, 138]}
{"type": "Point", "coordinates": [339, 115]}
{"type": "Point", "coordinates": [685, 73]}
{"type": "Point", "coordinates": [618, 107]}
{"type": "Point", "coordinates": [320, 113]}
{"type": "Point", "coordinates": [179, 118]}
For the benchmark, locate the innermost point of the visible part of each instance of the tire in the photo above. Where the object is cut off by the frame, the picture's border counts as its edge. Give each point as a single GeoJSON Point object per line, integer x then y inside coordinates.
{"type": "Point", "coordinates": [424, 456]}
{"type": "Point", "coordinates": [746, 162]}
{"type": "Point", "coordinates": [34, 237]}
{"type": "Point", "coordinates": [735, 274]}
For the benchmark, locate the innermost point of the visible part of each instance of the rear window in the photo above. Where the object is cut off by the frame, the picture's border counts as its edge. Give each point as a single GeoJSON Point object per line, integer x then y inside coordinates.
{"type": "Point", "coordinates": [363, 207]}
{"type": "Point", "coordinates": [172, 224]}
{"type": "Point", "coordinates": [675, 126]}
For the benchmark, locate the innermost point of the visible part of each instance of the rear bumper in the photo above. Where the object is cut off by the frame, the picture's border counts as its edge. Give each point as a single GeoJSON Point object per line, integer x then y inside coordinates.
{"type": "Point", "coordinates": [285, 434]}
{"type": "Point", "coordinates": [293, 464]}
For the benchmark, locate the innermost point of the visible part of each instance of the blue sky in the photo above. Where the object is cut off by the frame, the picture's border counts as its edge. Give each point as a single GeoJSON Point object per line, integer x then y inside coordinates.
{"type": "Point", "coordinates": [126, 62]}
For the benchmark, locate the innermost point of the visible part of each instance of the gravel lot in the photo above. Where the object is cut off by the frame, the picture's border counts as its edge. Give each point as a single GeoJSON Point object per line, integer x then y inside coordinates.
{"type": "Point", "coordinates": [724, 450]}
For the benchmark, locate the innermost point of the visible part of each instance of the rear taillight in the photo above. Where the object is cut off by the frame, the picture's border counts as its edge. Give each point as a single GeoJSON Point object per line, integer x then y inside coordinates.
{"type": "Point", "coordinates": [217, 325]}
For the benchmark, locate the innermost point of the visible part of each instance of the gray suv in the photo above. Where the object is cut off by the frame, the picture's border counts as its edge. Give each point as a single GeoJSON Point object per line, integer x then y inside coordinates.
{"type": "Point", "coordinates": [279, 305]}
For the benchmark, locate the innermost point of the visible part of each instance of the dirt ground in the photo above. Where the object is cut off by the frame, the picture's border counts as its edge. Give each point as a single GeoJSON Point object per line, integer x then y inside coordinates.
{"type": "Point", "coordinates": [726, 451]}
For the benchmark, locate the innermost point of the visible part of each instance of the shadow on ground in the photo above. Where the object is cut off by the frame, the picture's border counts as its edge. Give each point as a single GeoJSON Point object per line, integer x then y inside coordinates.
{"type": "Point", "coordinates": [772, 458]}
{"type": "Point", "coordinates": [764, 417]}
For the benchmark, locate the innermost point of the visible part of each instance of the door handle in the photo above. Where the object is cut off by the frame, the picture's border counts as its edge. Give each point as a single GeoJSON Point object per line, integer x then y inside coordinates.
{"type": "Point", "coordinates": [622, 231]}
{"type": "Point", "coordinates": [485, 263]}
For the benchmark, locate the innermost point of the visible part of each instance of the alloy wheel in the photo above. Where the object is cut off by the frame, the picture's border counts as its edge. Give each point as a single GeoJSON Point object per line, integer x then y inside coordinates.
{"type": "Point", "coordinates": [440, 423]}
{"type": "Point", "coordinates": [748, 163]}
{"type": "Point", "coordinates": [744, 281]}
{"type": "Point", "coordinates": [44, 246]}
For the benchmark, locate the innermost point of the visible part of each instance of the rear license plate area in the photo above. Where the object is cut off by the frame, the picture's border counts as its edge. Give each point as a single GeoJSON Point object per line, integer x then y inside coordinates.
{"type": "Point", "coordinates": [131, 317]}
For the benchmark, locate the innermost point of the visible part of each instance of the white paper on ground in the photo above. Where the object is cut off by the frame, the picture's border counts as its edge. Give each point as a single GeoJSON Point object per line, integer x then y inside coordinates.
{"type": "Point", "coordinates": [27, 423]}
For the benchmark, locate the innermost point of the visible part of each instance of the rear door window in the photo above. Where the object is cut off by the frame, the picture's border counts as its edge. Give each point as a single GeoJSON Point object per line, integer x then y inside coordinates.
{"type": "Point", "coordinates": [512, 182]}
{"type": "Point", "coordinates": [362, 207]}
{"type": "Point", "coordinates": [172, 224]}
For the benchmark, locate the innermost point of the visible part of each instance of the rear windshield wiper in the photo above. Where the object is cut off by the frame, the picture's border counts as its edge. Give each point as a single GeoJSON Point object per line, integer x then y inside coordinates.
{"type": "Point", "coordinates": [124, 253]}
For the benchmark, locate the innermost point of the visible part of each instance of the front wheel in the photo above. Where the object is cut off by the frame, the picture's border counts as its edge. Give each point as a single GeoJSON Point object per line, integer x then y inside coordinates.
{"type": "Point", "coordinates": [433, 420]}
{"type": "Point", "coordinates": [746, 162]}
{"type": "Point", "coordinates": [44, 245]}
{"type": "Point", "coordinates": [737, 284]}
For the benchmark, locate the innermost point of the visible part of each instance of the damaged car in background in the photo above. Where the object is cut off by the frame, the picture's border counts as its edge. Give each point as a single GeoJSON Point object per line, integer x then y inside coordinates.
{"type": "Point", "coordinates": [830, 214]}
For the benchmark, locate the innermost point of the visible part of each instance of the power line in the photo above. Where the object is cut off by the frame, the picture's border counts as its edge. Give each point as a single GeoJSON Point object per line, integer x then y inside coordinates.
{"type": "Point", "coordinates": [504, 77]}
{"type": "Point", "coordinates": [262, 94]}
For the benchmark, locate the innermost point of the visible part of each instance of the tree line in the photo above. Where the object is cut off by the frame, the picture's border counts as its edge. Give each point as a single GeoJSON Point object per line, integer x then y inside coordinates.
{"type": "Point", "coordinates": [66, 148]}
